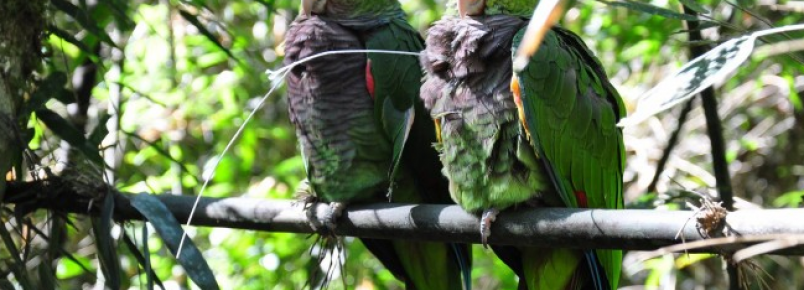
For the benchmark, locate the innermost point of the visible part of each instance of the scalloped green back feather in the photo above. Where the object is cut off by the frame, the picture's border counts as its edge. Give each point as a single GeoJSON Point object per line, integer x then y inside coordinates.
{"type": "Point", "coordinates": [397, 80]}
{"type": "Point", "coordinates": [572, 110]}
{"type": "Point", "coordinates": [395, 85]}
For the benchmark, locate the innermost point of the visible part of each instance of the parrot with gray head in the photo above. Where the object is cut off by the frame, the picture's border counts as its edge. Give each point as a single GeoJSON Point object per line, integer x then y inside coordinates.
{"type": "Point", "coordinates": [363, 131]}
{"type": "Point", "coordinates": [545, 136]}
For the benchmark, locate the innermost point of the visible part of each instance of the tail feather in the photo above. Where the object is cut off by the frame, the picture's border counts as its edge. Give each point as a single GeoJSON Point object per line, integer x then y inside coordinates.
{"type": "Point", "coordinates": [463, 257]}
{"type": "Point", "coordinates": [424, 265]}
{"type": "Point", "coordinates": [512, 257]}
{"type": "Point", "coordinates": [384, 251]}
{"type": "Point", "coordinates": [598, 275]}
{"type": "Point", "coordinates": [540, 268]}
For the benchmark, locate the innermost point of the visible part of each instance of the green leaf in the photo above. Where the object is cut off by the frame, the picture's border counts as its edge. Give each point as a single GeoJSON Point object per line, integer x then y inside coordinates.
{"type": "Point", "coordinates": [105, 244]}
{"type": "Point", "coordinates": [695, 6]}
{"type": "Point", "coordinates": [203, 29]}
{"type": "Point", "coordinates": [16, 159]}
{"type": "Point", "coordinates": [171, 232]}
{"type": "Point", "coordinates": [790, 199]}
{"type": "Point", "coordinates": [796, 100]}
{"type": "Point", "coordinates": [652, 10]}
{"type": "Point", "coordinates": [691, 258]}
{"type": "Point", "coordinates": [46, 89]}
{"type": "Point", "coordinates": [57, 237]}
{"type": "Point", "coordinates": [47, 279]}
{"type": "Point", "coordinates": [119, 10]}
{"type": "Point", "coordinates": [74, 267]}
{"type": "Point", "coordinates": [699, 74]}
{"type": "Point", "coordinates": [200, 4]}
{"type": "Point", "coordinates": [83, 19]}
{"type": "Point", "coordinates": [143, 259]}
{"type": "Point", "coordinates": [71, 39]}
{"type": "Point", "coordinates": [159, 150]}
{"type": "Point", "coordinates": [56, 247]}
{"type": "Point", "coordinates": [702, 26]}
{"type": "Point", "coordinates": [16, 265]}
{"type": "Point", "coordinates": [100, 131]}
{"type": "Point", "coordinates": [69, 133]}
{"type": "Point", "coordinates": [6, 285]}
{"type": "Point", "coordinates": [64, 96]}
{"type": "Point", "coordinates": [270, 5]}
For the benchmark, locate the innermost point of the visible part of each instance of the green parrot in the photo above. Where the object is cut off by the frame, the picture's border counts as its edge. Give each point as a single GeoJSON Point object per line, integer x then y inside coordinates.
{"type": "Point", "coordinates": [546, 136]}
{"type": "Point", "coordinates": [363, 131]}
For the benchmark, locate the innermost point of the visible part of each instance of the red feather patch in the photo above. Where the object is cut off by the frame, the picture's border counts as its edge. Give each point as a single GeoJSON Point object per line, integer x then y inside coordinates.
{"type": "Point", "coordinates": [580, 197]}
{"type": "Point", "coordinates": [369, 79]}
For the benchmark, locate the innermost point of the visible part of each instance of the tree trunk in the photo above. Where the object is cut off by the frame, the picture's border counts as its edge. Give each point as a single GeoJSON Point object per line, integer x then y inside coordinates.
{"type": "Point", "coordinates": [21, 26]}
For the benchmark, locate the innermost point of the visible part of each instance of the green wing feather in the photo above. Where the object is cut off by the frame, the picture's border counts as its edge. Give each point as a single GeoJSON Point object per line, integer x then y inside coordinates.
{"type": "Point", "coordinates": [563, 264]}
{"type": "Point", "coordinates": [571, 111]}
{"type": "Point", "coordinates": [396, 91]}
{"type": "Point", "coordinates": [396, 82]}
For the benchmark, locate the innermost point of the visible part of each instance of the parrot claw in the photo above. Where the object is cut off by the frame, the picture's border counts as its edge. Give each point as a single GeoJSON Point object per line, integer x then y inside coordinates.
{"type": "Point", "coordinates": [309, 206]}
{"type": "Point", "coordinates": [489, 216]}
{"type": "Point", "coordinates": [390, 192]}
{"type": "Point", "coordinates": [327, 224]}
{"type": "Point", "coordinates": [305, 196]}
{"type": "Point", "coordinates": [314, 224]}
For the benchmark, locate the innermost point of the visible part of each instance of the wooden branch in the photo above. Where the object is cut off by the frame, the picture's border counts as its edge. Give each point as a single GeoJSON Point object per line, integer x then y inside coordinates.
{"type": "Point", "coordinates": [545, 227]}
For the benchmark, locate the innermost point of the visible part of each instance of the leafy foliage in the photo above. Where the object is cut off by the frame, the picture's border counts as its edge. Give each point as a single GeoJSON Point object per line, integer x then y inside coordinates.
{"type": "Point", "coordinates": [164, 85]}
{"type": "Point", "coordinates": [172, 234]}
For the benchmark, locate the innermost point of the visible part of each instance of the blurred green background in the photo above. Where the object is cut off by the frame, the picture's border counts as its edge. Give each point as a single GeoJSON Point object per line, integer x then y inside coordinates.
{"type": "Point", "coordinates": [173, 80]}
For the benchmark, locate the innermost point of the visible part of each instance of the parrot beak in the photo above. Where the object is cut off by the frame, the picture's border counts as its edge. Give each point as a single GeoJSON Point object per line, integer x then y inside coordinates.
{"type": "Point", "coordinates": [308, 7]}
{"type": "Point", "coordinates": [471, 7]}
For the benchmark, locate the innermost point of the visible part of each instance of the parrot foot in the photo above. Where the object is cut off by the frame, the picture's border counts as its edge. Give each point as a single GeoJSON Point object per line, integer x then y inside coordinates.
{"type": "Point", "coordinates": [390, 192]}
{"type": "Point", "coordinates": [327, 224]}
{"type": "Point", "coordinates": [331, 217]}
{"type": "Point", "coordinates": [309, 205]}
{"type": "Point", "coordinates": [489, 216]}
{"type": "Point", "coordinates": [305, 196]}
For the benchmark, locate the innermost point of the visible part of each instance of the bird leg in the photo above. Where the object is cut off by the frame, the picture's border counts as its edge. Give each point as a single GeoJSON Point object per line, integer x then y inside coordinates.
{"type": "Point", "coordinates": [304, 194]}
{"type": "Point", "coordinates": [335, 212]}
{"type": "Point", "coordinates": [489, 216]}
{"type": "Point", "coordinates": [327, 224]}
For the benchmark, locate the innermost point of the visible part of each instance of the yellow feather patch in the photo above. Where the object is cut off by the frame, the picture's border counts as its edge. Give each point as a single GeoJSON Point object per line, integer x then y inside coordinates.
{"type": "Point", "coordinates": [438, 129]}
{"type": "Point", "coordinates": [518, 101]}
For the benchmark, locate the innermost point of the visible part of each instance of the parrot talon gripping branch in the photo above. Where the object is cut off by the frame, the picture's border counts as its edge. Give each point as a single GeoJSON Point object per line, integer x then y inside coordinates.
{"type": "Point", "coordinates": [489, 216]}
{"type": "Point", "coordinates": [331, 217]}
{"type": "Point", "coordinates": [324, 226]}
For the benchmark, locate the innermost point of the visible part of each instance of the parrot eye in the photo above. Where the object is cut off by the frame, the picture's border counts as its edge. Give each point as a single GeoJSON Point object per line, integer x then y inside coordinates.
{"type": "Point", "coordinates": [299, 69]}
